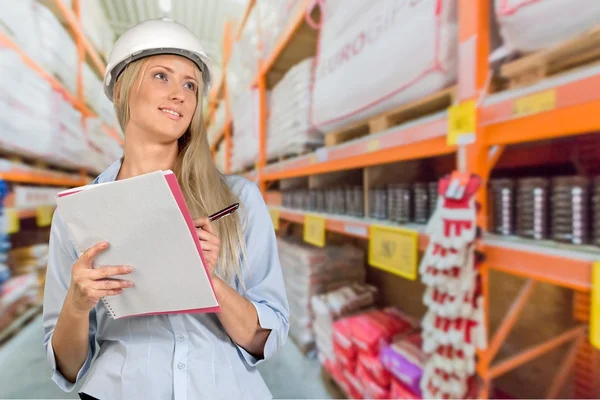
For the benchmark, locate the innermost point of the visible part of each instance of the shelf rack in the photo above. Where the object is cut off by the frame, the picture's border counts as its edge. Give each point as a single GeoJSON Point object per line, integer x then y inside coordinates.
{"type": "Point", "coordinates": [500, 122]}
{"type": "Point", "coordinates": [77, 100]}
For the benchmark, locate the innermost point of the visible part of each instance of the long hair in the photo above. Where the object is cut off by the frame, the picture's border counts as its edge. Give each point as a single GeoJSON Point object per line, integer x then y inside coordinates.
{"type": "Point", "coordinates": [203, 186]}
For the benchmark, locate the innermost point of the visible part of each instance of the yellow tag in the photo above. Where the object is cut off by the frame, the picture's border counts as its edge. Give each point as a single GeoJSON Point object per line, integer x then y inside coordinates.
{"type": "Point", "coordinates": [595, 306]}
{"type": "Point", "coordinates": [373, 145]}
{"type": "Point", "coordinates": [394, 250]}
{"type": "Point", "coordinates": [275, 218]}
{"type": "Point", "coordinates": [313, 159]}
{"type": "Point", "coordinates": [462, 119]}
{"type": "Point", "coordinates": [13, 222]}
{"type": "Point", "coordinates": [314, 230]}
{"type": "Point", "coordinates": [43, 215]}
{"type": "Point", "coordinates": [536, 103]}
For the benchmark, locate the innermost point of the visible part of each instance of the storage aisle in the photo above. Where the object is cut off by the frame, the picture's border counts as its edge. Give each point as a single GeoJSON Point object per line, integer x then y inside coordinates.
{"type": "Point", "coordinates": [431, 169]}
{"type": "Point", "coordinates": [29, 374]}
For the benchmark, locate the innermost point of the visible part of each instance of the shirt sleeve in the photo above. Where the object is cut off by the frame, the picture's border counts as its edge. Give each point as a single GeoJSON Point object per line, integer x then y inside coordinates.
{"type": "Point", "coordinates": [61, 256]}
{"type": "Point", "coordinates": [264, 285]}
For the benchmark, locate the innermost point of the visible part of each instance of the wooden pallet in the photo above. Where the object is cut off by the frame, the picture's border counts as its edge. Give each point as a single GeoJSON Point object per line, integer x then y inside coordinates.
{"type": "Point", "coordinates": [19, 323]}
{"type": "Point", "coordinates": [581, 50]}
{"type": "Point", "coordinates": [435, 102]}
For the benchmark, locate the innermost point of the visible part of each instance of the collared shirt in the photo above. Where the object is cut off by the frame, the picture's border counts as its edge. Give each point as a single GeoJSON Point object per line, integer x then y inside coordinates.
{"type": "Point", "coordinates": [176, 356]}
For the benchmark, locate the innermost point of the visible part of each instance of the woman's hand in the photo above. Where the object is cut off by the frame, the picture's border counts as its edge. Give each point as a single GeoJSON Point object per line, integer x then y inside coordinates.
{"type": "Point", "coordinates": [210, 243]}
{"type": "Point", "coordinates": [89, 284]}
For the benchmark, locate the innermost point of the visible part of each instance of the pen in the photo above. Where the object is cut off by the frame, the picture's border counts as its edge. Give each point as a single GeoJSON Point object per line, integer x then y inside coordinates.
{"type": "Point", "coordinates": [224, 212]}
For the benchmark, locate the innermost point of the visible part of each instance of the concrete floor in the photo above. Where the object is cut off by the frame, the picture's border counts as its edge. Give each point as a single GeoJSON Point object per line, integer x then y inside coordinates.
{"type": "Point", "coordinates": [25, 374]}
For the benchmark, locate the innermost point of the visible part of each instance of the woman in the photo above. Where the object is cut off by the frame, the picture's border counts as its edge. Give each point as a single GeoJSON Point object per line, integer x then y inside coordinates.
{"type": "Point", "coordinates": [156, 77]}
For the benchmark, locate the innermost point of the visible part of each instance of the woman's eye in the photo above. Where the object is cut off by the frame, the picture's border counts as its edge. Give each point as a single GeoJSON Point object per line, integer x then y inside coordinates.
{"type": "Point", "coordinates": [190, 86]}
{"type": "Point", "coordinates": [160, 75]}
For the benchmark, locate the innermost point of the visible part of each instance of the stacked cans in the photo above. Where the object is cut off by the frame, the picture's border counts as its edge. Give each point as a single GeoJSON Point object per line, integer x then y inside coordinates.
{"type": "Point", "coordinates": [570, 209]}
{"type": "Point", "coordinates": [378, 204]}
{"type": "Point", "coordinates": [400, 203]}
{"type": "Point", "coordinates": [596, 212]}
{"type": "Point", "coordinates": [355, 203]}
{"type": "Point", "coordinates": [433, 196]}
{"type": "Point", "coordinates": [503, 201]}
{"type": "Point", "coordinates": [421, 202]}
{"type": "Point", "coordinates": [532, 208]}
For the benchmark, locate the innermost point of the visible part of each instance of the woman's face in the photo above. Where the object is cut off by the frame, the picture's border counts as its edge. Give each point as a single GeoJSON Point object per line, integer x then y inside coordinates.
{"type": "Point", "coordinates": [166, 100]}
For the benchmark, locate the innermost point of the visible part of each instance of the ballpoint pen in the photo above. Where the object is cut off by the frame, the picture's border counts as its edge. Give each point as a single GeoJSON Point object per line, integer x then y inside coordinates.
{"type": "Point", "coordinates": [224, 212]}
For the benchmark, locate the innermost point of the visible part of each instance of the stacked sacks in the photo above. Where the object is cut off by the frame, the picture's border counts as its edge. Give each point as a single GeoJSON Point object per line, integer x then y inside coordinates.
{"type": "Point", "coordinates": [309, 271]}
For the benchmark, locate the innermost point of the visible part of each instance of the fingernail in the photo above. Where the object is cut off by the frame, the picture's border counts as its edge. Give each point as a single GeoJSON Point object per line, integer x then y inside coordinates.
{"type": "Point", "coordinates": [103, 245]}
{"type": "Point", "coordinates": [129, 284]}
{"type": "Point", "coordinates": [129, 269]}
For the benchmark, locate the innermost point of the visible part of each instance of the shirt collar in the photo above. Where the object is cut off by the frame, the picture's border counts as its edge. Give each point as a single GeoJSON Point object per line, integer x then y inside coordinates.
{"type": "Point", "coordinates": [110, 174]}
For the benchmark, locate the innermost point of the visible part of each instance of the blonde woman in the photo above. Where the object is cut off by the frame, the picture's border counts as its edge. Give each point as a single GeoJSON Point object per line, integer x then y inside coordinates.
{"type": "Point", "coordinates": [157, 77]}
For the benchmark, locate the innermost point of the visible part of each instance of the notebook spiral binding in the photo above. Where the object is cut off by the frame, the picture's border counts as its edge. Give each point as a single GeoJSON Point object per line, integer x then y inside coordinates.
{"type": "Point", "coordinates": [109, 309]}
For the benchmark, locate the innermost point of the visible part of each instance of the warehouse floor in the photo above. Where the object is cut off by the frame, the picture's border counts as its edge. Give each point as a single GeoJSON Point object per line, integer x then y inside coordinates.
{"type": "Point", "coordinates": [25, 374]}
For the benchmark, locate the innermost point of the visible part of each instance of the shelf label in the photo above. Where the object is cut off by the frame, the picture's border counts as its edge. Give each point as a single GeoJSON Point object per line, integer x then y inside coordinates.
{"type": "Point", "coordinates": [12, 221]}
{"type": "Point", "coordinates": [373, 145]}
{"type": "Point", "coordinates": [395, 250]}
{"type": "Point", "coordinates": [535, 103]}
{"type": "Point", "coordinates": [43, 215]}
{"type": "Point", "coordinates": [462, 120]}
{"type": "Point", "coordinates": [274, 218]}
{"type": "Point", "coordinates": [356, 230]}
{"type": "Point", "coordinates": [595, 306]}
{"type": "Point", "coordinates": [314, 230]}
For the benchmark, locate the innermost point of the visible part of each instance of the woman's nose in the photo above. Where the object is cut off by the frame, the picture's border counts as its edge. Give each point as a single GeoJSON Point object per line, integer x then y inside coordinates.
{"type": "Point", "coordinates": [176, 92]}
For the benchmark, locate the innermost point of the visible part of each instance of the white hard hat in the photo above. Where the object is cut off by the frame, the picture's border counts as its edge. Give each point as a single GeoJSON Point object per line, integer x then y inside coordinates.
{"type": "Point", "coordinates": [152, 37]}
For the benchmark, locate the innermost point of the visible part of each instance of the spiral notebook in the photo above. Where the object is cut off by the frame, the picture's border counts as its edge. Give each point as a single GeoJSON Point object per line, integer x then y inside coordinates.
{"type": "Point", "coordinates": [147, 223]}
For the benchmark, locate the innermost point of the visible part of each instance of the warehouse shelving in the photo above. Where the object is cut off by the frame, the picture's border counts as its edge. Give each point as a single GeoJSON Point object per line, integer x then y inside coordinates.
{"type": "Point", "coordinates": [555, 107]}
{"type": "Point", "coordinates": [77, 100]}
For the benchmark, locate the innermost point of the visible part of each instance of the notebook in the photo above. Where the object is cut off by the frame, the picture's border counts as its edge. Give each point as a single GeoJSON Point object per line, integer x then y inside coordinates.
{"type": "Point", "coordinates": [147, 223]}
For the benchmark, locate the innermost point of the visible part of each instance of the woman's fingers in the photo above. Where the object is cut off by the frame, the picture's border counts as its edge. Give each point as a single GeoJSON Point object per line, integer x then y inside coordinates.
{"type": "Point", "coordinates": [111, 284]}
{"type": "Point", "coordinates": [208, 246]}
{"type": "Point", "coordinates": [110, 270]}
{"type": "Point", "coordinates": [205, 224]}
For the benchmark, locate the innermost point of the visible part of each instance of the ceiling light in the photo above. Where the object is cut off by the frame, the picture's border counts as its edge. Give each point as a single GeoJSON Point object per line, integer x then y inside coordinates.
{"type": "Point", "coordinates": [165, 5]}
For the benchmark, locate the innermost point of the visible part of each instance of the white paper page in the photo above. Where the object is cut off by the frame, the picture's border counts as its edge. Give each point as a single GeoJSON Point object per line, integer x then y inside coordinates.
{"type": "Point", "coordinates": [140, 219]}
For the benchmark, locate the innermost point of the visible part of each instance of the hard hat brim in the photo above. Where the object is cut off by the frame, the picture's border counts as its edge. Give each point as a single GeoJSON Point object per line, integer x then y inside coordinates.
{"type": "Point", "coordinates": [201, 61]}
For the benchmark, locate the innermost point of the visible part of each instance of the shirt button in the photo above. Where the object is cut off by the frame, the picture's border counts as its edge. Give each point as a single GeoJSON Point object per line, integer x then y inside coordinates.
{"type": "Point", "coordinates": [181, 366]}
{"type": "Point", "coordinates": [181, 338]}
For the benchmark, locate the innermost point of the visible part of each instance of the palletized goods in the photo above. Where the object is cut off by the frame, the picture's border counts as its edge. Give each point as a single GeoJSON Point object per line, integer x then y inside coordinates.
{"type": "Point", "coordinates": [521, 25]}
{"type": "Point", "coordinates": [379, 54]}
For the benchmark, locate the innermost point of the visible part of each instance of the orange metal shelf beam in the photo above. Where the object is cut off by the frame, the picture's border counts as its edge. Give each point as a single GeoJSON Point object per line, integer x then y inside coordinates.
{"type": "Point", "coordinates": [347, 226]}
{"type": "Point", "coordinates": [249, 7]}
{"type": "Point", "coordinates": [421, 139]}
{"type": "Point", "coordinates": [574, 110]}
{"type": "Point", "coordinates": [562, 267]}
{"type": "Point", "coordinates": [42, 179]}
{"type": "Point", "coordinates": [293, 25]}
{"type": "Point", "coordinates": [75, 26]}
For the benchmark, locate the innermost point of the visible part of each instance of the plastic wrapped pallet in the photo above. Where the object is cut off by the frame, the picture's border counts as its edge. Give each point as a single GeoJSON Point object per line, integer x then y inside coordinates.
{"type": "Point", "coordinates": [331, 306]}
{"type": "Point", "coordinates": [18, 294]}
{"type": "Point", "coordinates": [521, 27]}
{"type": "Point", "coordinates": [29, 197]}
{"type": "Point", "coordinates": [362, 67]}
{"type": "Point", "coordinates": [308, 271]}
{"type": "Point", "coordinates": [92, 86]}
{"type": "Point", "coordinates": [242, 66]}
{"type": "Point", "coordinates": [288, 129]}
{"type": "Point", "coordinates": [220, 158]}
{"type": "Point", "coordinates": [218, 123]}
{"type": "Point", "coordinates": [275, 15]}
{"type": "Point", "coordinates": [245, 123]}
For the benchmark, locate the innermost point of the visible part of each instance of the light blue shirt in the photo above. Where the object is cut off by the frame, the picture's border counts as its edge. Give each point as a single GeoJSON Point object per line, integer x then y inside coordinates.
{"type": "Point", "coordinates": [178, 356]}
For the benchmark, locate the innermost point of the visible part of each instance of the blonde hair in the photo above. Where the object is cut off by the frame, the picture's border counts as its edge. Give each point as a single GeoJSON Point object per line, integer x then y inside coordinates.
{"type": "Point", "coordinates": [202, 184]}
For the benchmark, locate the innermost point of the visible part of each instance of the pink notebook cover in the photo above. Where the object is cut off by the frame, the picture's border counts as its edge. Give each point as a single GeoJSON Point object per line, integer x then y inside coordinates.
{"type": "Point", "coordinates": [178, 195]}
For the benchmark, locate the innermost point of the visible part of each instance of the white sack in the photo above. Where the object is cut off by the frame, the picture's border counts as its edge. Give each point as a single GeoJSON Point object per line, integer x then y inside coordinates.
{"type": "Point", "coordinates": [531, 25]}
{"type": "Point", "coordinates": [380, 54]}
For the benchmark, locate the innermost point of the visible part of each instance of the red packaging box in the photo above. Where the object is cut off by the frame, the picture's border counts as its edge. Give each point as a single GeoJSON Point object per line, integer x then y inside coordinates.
{"type": "Point", "coordinates": [400, 391]}
{"type": "Point", "coordinates": [375, 369]}
{"type": "Point", "coordinates": [356, 388]}
{"type": "Point", "coordinates": [375, 329]}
